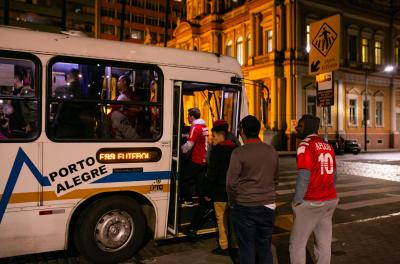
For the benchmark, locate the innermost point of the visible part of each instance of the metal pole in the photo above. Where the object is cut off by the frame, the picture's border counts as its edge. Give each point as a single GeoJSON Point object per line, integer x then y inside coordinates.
{"type": "Point", "coordinates": [166, 26]}
{"type": "Point", "coordinates": [122, 26]}
{"type": "Point", "coordinates": [6, 12]}
{"type": "Point", "coordinates": [64, 15]}
{"type": "Point", "coordinates": [365, 111]}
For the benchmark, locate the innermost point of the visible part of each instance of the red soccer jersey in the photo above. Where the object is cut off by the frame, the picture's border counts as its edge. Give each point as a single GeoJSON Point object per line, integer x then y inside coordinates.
{"type": "Point", "coordinates": [199, 135]}
{"type": "Point", "coordinates": [318, 157]}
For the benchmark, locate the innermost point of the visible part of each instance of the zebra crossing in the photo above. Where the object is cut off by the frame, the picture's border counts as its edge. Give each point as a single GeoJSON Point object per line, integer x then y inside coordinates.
{"type": "Point", "coordinates": [360, 197]}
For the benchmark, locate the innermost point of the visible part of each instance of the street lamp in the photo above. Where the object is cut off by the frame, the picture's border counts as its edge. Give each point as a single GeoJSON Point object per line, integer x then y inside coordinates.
{"type": "Point", "coordinates": [388, 69]}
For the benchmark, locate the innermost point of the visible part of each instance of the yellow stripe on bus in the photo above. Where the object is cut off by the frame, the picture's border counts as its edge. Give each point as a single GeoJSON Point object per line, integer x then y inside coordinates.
{"type": "Point", "coordinates": [79, 194]}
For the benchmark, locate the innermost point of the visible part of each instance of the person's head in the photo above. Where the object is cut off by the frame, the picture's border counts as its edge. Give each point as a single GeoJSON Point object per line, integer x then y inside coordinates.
{"type": "Point", "coordinates": [219, 131]}
{"type": "Point", "coordinates": [18, 80]}
{"type": "Point", "coordinates": [73, 76]}
{"type": "Point", "coordinates": [193, 114]}
{"type": "Point", "coordinates": [123, 83]}
{"type": "Point", "coordinates": [249, 127]}
{"type": "Point", "coordinates": [307, 125]}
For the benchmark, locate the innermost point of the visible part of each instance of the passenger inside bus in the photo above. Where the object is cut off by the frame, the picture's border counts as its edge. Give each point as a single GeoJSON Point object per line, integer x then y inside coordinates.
{"type": "Point", "coordinates": [123, 117]}
{"type": "Point", "coordinates": [93, 90]}
{"type": "Point", "coordinates": [67, 120]}
{"type": "Point", "coordinates": [72, 89]}
{"type": "Point", "coordinates": [20, 116]}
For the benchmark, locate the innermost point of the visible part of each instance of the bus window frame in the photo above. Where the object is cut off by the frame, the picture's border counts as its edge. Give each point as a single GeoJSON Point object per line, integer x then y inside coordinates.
{"type": "Point", "coordinates": [236, 86]}
{"type": "Point", "coordinates": [110, 63]}
{"type": "Point", "coordinates": [8, 54]}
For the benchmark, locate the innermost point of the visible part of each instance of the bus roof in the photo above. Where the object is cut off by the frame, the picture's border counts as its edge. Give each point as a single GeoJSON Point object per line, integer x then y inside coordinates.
{"type": "Point", "coordinates": [59, 44]}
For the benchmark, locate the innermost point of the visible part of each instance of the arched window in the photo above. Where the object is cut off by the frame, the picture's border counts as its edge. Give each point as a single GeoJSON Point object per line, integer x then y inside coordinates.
{"type": "Point", "coordinates": [248, 46]}
{"type": "Point", "coordinates": [228, 50]}
{"type": "Point", "coordinates": [239, 50]}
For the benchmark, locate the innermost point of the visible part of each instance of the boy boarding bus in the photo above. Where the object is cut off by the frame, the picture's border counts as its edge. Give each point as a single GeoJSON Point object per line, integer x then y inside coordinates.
{"type": "Point", "coordinates": [90, 139]}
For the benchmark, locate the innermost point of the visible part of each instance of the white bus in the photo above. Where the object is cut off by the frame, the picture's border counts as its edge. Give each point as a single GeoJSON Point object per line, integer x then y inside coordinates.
{"type": "Point", "coordinates": [80, 168]}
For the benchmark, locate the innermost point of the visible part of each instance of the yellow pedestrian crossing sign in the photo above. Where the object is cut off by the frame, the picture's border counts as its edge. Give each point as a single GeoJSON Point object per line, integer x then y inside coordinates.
{"type": "Point", "coordinates": [325, 45]}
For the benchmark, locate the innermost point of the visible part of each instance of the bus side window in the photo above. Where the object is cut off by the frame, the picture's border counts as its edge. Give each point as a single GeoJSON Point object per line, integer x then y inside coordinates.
{"type": "Point", "coordinates": [18, 100]}
{"type": "Point", "coordinates": [116, 101]}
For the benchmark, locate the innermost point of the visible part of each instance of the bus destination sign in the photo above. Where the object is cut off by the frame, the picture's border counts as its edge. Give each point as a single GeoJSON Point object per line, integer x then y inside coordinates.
{"type": "Point", "coordinates": [128, 155]}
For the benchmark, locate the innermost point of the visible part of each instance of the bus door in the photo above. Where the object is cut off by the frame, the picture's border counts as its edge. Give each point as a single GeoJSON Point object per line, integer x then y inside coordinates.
{"type": "Point", "coordinates": [175, 167]}
{"type": "Point", "coordinates": [215, 101]}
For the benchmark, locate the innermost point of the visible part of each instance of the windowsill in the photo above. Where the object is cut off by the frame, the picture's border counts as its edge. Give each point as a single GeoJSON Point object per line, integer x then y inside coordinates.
{"type": "Point", "coordinates": [352, 125]}
{"type": "Point", "coordinates": [379, 126]}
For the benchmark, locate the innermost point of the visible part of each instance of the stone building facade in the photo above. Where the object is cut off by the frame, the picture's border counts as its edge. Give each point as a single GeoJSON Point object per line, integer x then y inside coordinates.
{"type": "Point", "coordinates": [271, 41]}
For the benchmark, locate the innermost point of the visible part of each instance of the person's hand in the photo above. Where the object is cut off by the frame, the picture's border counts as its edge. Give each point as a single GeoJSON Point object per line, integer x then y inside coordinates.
{"type": "Point", "coordinates": [208, 199]}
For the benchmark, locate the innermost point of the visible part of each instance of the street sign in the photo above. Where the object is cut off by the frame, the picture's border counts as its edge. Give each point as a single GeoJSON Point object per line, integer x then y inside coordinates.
{"type": "Point", "coordinates": [325, 91]}
{"type": "Point", "coordinates": [325, 45]}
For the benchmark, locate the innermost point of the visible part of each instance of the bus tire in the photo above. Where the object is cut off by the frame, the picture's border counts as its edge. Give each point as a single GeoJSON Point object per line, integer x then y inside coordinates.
{"type": "Point", "coordinates": [110, 230]}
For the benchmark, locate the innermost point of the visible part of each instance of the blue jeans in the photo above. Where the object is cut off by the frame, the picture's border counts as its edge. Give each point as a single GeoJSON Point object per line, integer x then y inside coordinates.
{"type": "Point", "coordinates": [253, 227]}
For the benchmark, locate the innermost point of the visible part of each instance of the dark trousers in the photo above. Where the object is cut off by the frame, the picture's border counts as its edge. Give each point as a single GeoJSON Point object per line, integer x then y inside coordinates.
{"type": "Point", "coordinates": [204, 211]}
{"type": "Point", "coordinates": [253, 228]}
{"type": "Point", "coordinates": [193, 177]}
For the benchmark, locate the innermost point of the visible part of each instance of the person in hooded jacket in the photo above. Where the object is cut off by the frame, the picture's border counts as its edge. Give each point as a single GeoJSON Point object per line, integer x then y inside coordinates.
{"type": "Point", "coordinates": [196, 144]}
{"type": "Point", "coordinates": [215, 182]}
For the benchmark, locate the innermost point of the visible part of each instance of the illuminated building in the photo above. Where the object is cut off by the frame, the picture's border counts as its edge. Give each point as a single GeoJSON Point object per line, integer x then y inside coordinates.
{"type": "Point", "coordinates": [270, 39]}
{"type": "Point", "coordinates": [49, 15]}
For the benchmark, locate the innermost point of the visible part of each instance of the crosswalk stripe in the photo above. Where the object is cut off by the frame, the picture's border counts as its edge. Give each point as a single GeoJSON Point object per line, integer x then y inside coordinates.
{"type": "Point", "coordinates": [354, 205]}
{"type": "Point", "coordinates": [339, 185]}
{"type": "Point", "coordinates": [287, 177]}
{"type": "Point", "coordinates": [368, 191]}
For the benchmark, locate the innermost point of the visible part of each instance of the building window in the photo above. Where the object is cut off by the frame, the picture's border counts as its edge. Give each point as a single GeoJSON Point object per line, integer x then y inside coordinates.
{"type": "Point", "coordinates": [269, 41]}
{"type": "Point", "coordinates": [353, 112]}
{"type": "Point", "coordinates": [378, 52]}
{"type": "Point", "coordinates": [379, 112]}
{"type": "Point", "coordinates": [107, 29]}
{"type": "Point", "coordinates": [353, 48]}
{"type": "Point", "coordinates": [228, 49]}
{"type": "Point", "coordinates": [366, 111]}
{"type": "Point", "coordinates": [397, 52]}
{"type": "Point", "coordinates": [239, 50]}
{"type": "Point", "coordinates": [308, 47]}
{"type": "Point", "coordinates": [136, 34]}
{"type": "Point", "coordinates": [365, 50]}
{"type": "Point", "coordinates": [248, 46]}
{"type": "Point", "coordinates": [312, 105]}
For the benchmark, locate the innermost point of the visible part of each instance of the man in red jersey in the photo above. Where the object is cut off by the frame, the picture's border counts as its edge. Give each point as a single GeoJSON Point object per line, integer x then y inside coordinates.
{"type": "Point", "coordinates": [197, 143]}
{"type": "Point", "coordinates": [315, 199]}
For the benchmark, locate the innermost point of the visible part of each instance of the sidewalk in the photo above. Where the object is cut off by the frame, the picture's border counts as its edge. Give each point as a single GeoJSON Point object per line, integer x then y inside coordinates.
{"type": "Point", "coordinates": [369, 242]}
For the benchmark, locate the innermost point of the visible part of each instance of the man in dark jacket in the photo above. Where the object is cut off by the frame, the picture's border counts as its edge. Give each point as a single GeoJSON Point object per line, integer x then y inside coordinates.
{"type": "Point", "coordinates": [215, 182]}
{"type": "Point", "coordinates": [251, 183]}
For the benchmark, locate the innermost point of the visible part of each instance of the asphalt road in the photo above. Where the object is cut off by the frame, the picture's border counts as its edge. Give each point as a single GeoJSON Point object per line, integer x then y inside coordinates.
{"type": "Point", "coordinates": [361, 199]}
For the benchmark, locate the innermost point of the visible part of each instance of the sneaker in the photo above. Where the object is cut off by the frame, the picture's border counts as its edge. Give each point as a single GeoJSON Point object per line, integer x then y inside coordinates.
{"type": "Point", "coordinates": [188, 203]}
{"type": "Point", "coordinates": [220, 251]}
{"type": "Point", "coordinates": [191, 234]}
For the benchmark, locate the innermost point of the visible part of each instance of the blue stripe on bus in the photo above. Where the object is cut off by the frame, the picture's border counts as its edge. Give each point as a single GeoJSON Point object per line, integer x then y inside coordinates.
{"type": "Point", "coordinates": [19, 161]}
{"type": "Point", "coordinates": [135, 176]}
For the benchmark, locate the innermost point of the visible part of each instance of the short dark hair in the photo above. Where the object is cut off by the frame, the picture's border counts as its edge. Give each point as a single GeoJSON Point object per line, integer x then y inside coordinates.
{"type": "Point", "coordinates": [74, 74]}
{"type": "Point", "coordinates": [250, 126]}
{"type": "Point", "coordinates": [220, 129]}
{"type": "Point", "coordinates": [311, 124]}
{"type": "Point", "coordinates": [126, 79]}
{"type": "Point", "coordinates": [18, 74]}
{"type": "Point", "coordinates": [195, 112]}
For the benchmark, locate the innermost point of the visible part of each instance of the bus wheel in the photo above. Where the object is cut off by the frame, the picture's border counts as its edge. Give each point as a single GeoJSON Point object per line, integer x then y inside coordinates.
{"type": "Point", "coordinates": [110, 230]}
